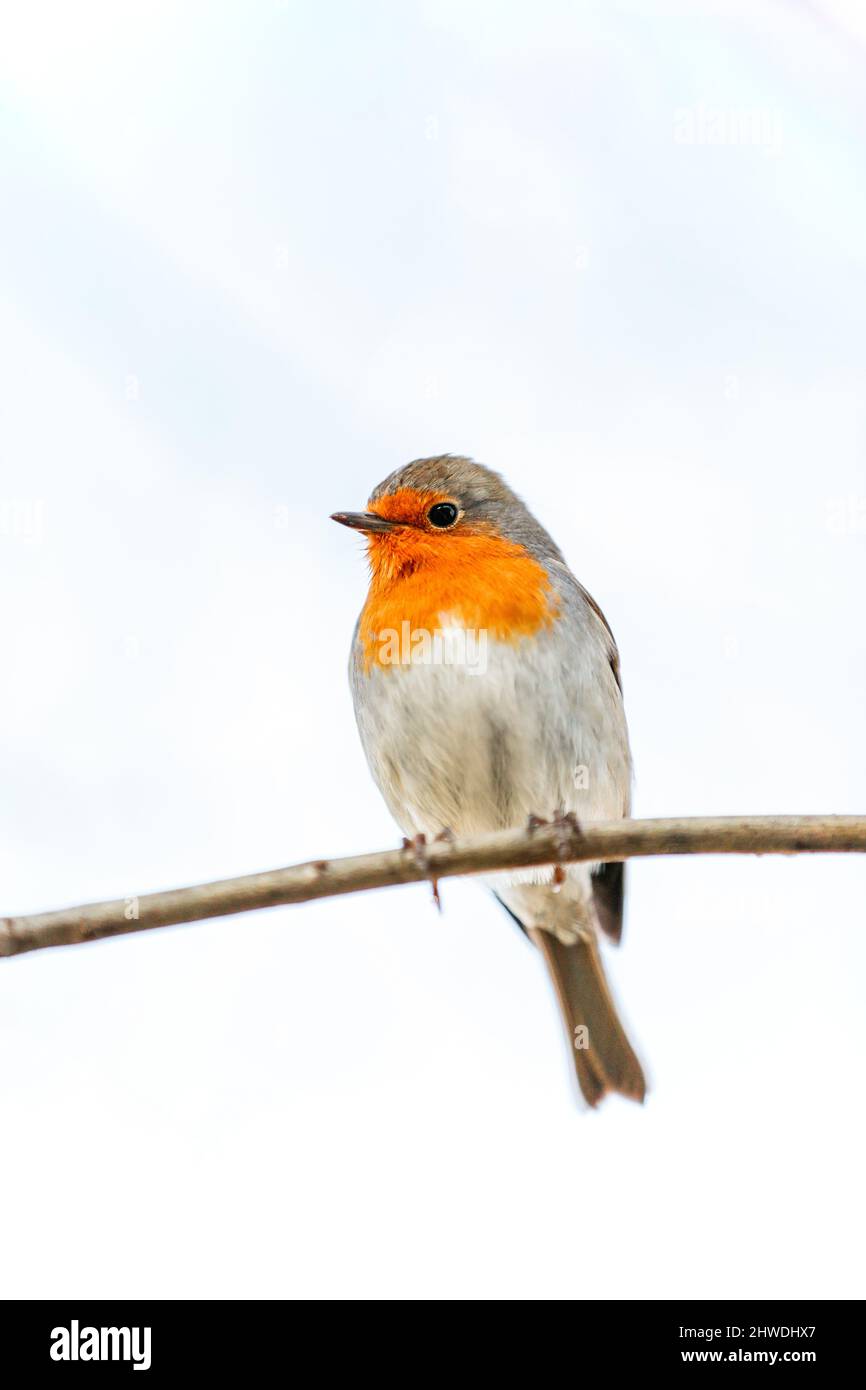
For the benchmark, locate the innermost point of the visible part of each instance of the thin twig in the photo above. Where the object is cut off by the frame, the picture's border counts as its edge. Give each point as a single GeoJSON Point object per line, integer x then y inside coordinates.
{"type": "Point", "coordinates": [559, 843]}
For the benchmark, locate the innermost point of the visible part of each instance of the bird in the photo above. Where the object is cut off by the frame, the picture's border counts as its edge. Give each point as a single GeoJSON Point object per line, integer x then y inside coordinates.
{"type": "Point", "coordinates": [488, 696]}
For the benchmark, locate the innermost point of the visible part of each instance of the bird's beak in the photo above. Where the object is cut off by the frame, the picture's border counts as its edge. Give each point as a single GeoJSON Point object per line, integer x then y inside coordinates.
{"type": "Point", "coordinates": [363, 521]}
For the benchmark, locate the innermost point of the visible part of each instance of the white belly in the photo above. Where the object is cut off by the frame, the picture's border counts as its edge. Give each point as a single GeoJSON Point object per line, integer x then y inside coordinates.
{"type": "Point", "coordinates": [477, 748]}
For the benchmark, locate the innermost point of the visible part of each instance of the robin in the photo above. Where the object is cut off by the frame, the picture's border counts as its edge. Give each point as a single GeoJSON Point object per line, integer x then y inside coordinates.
{"type": "Point", "coordinates": [487, 691]}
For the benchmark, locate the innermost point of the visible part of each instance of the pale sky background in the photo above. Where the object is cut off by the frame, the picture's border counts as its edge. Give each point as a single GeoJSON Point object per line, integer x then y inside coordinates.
{"type": "Point", "coordinates": [253, 257]}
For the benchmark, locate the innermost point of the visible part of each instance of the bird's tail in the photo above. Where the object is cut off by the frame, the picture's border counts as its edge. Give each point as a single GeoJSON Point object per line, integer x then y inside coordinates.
{"type": "Point", "coordinates": [603, 1056]}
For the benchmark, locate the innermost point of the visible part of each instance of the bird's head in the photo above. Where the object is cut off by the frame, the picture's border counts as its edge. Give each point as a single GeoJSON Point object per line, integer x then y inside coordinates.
{"type": "Point", "coordinates": [445, 511]}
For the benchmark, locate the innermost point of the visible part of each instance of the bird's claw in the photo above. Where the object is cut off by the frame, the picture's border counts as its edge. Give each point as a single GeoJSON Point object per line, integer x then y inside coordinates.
{"type": "Point", "coordinates": [565, 824]}
{"type": "Point", "coordinates": [417, 847]}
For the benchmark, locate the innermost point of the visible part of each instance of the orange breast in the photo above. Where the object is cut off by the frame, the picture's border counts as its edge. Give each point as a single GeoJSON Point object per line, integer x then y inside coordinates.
{"type": "Point", "coordinates": [477, 580]}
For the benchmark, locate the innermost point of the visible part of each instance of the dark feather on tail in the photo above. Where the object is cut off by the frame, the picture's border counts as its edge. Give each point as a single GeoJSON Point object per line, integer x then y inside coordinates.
{"type": "Point", "coordinates": [608, 891]}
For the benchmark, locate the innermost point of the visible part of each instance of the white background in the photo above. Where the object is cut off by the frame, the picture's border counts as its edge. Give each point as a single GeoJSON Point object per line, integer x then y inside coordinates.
{"type": "Point", "coordinates": [253, 257]}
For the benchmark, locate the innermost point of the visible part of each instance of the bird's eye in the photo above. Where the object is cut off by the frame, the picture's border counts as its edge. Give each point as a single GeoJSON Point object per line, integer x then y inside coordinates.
{"type": "Point", "coordinates": [444, 514]}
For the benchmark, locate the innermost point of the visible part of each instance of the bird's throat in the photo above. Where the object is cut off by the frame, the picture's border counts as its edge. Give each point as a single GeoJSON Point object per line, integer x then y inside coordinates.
{"type": "Point", "coordinates": [480, 582]}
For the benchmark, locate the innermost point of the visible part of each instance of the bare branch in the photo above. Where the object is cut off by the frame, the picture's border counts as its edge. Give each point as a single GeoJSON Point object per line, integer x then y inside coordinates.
{"type": "Point", "coordinates": [560, 843]}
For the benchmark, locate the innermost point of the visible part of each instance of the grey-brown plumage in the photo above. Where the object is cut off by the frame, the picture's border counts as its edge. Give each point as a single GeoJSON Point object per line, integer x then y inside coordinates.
{"type": "Point", "coordinates": [603, 1056]}
{"type": "Point", "coordinates": [540, 731]}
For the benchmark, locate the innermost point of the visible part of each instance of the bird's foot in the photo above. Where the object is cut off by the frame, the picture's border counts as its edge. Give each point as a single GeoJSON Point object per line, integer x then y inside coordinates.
{"type": "Point", "coordinates": [566, 825]}
{"type": "Point", "coordinates": [417, 847]}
